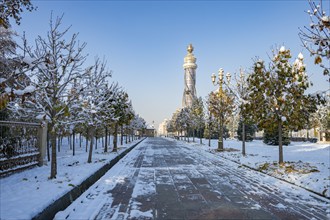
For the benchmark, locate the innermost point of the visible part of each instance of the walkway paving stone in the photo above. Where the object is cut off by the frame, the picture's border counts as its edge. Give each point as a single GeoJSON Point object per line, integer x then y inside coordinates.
{"type": "Point", "coordinates": [169, 180]}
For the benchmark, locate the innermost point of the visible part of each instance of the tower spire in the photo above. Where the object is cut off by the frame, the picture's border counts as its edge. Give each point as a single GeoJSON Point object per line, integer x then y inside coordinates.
{"type": "Point", "coordinates": [189, 66]}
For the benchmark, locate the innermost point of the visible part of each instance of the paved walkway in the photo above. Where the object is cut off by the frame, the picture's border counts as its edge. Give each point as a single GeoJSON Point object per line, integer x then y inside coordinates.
{"type": "Point", "coordinates": [165, 179]}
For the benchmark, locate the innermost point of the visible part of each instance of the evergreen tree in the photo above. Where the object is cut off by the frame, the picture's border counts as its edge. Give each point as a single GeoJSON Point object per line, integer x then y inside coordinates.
{"type": "Point", "coordinates": [271, 136]}
{"type": "Point", "coordinates": [276, 95]}
{"type": "Point", "coordinates": [249, 131]}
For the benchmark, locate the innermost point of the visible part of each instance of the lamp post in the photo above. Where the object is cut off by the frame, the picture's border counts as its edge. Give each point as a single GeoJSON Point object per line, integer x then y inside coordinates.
{"type": "Point", "coordinates": [220, 82]}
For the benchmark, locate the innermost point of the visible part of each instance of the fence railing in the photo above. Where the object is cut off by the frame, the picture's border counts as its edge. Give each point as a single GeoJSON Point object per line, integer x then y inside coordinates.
{"type": "Point", "coordinates": [22, 145]}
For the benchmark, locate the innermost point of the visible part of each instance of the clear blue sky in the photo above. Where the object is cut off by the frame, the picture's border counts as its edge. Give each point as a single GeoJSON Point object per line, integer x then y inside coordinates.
{"type": "Point", "coordinates": [145, 42]}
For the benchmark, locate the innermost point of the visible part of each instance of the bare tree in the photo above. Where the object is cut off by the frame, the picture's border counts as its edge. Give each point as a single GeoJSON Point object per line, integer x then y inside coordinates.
{"type": "Point", "coordinates": [316, 37]}
{"type": "Point", "coordinates": [93, 99]}
{"type": "Point", "coordinates": [53, 77]}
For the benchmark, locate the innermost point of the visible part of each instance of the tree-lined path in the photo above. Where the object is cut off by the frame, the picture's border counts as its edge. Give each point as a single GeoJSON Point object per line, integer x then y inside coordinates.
{"type": "Point", "coordinates": [167, 179]}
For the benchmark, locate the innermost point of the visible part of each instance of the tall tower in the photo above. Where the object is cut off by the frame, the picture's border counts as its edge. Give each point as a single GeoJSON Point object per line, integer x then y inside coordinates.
{"type": "Point", "coordinates": [189, 67]}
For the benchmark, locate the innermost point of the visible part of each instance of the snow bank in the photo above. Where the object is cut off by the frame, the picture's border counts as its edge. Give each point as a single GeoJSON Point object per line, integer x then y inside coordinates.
{"type": "Point", "coordinates": [307, 164]}
{"type": "Point", "coordinates": [24, 195]}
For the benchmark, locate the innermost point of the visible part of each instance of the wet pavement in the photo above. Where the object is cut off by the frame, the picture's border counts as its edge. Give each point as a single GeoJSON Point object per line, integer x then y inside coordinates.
{"type": "Point", "coordinates": [166, 179]}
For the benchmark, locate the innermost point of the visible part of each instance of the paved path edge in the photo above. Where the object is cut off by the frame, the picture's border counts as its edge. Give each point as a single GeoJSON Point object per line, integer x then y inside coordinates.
{"type": "Point", "coordinates": [64, 201]}
{"type": "Point", "coordinates": [284, 180]}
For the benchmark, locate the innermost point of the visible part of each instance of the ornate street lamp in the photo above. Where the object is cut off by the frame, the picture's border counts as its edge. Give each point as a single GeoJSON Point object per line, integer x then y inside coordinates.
{"type": "Point", "coordinates": [220, 82]}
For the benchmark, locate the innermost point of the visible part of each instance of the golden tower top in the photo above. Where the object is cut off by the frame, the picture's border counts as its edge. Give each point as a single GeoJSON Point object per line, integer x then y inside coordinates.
{"type": "Point", "coordinates": [190, 60]}
{"type": "Point", "coordinates": [190, 48]}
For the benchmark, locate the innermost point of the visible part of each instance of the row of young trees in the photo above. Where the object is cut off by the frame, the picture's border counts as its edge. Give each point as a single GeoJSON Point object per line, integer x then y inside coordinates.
{"type": "Point", "coordinates": [49, 81]}
{"type": "Point", "coordinates": [272, 97]}
{"type": "Point", "coordinates": [189, 120]}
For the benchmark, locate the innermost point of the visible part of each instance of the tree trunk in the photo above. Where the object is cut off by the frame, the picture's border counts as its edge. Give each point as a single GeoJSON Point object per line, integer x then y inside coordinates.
{"type": "Point", "coordinates": [53, 167]}
{"type": "Point", "coordinates": [91, 145]}
{"type": "Point", "coordinates": [86, 143]}
{"type": "Point", "coordinates": [80, 139]}
{"type": "Point", "coordinates": [243, 138]}
{"type": "Point", "coordinates": [102, 138]}
{"type": "Point", "coordinates": [74, 143]}
{"type": "Point", "coordinates": [121, 135]}
{"type": "Point", "coordinates": [220, 140]}
{"type": "Point", "coordinates": [210, 133]}
{"type": "Point", "coordinates": [307, 134]}
{"type": "Point", "coordinates": [58, 144]}
{"type": "Point", "coordinates": [95, 142]}
{"type": "Point", "coordinates": [280, 144]}
{"type": "Point", "coordinates": [193, 135]}
{"type": "Point", "coordinates": [48, 146]}
{"type": "Point", "coordinates": [109, 138]}
{"type": "Point", "coordinates": [70, 141]}
{"type": "Point", "coordinates": [106, 140]}
{"type": "Point", "coordinates": [200, 136]}
{"type": "Point", "coordinates": [115, 134]}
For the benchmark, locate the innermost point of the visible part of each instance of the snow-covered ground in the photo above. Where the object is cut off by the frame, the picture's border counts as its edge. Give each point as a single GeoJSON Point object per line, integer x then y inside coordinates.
{"type": "Point", "coordinates": [25, 194]}
{"type": "Point", "coordinates": [166, 179]}
{"type": "Point", "coordinates": [306, 164]}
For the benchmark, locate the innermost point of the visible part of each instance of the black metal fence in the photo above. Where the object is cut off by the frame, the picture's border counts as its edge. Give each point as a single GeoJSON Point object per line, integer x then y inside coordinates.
{"type": "Point", "coordinates": [22, 145]}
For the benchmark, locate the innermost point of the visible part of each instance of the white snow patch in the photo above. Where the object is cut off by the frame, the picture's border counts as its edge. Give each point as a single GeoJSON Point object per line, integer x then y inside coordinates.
{"type": "Point", "coordinates": [28, 60]}
{"type": "Point", "coordinates": [43, 117]}
{"type": "Point", "coordinates": [280, 206]}
{"type": "Point", "coordinates": [256, 206]}
{"type": "Point", "coordinates": [300, 56]}
{"type": "Point", "coordinates": [29, 89]}
{"type": "Point", "coordinates": [138, 214]}
{"type": "Point", "coordinates": [18, 91]}
{"type": "Point", "coordinates": [116, 180]}
{"type": "Point", "coordinates": [142, 189]}
{"type": "Point", "coordinates": [7, 90]}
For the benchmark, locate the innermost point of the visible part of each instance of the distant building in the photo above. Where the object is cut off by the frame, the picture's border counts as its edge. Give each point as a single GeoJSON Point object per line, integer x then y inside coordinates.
{"type": "Point", "coordinates": [149, 132]}
{"type": "Point", "coordinates": [189, 66]}
{"type": "Point", "coordinates": [162, 129]}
